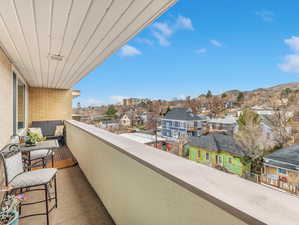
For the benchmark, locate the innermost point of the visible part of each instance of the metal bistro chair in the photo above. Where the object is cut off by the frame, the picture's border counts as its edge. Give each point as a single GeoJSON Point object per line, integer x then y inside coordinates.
{"type": "Point", "coordinates": [18, 179]}
{"type": "Point", "coordinates": [39, 158]}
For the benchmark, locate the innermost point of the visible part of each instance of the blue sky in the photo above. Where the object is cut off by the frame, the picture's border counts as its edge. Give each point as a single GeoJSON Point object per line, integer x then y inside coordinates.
{"type": "Point", "coordinates": [198, 46]}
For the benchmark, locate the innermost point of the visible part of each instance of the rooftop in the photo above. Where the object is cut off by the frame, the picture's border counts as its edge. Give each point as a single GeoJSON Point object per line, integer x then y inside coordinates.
{"type": "Point", "coordinates": [226, 120]}
{"type": "Point", "coordinates": [182, 114]}
{"type": "Point", "coordinates": [142, 138]}
{"type": "Point", "coordinates": [286, 157]}
{"type": "Point", "coordinates": [216, 142]}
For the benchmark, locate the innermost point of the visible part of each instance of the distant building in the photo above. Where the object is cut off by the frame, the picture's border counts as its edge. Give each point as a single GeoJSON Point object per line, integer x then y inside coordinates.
{"type": "Point", "coordinates": [228, 124]}
{"type": "Point", "coordinates": [76, 116]}
{"type": "Point", "coordinates": [149, 139]}
{"type": "Point", "coordinates": [281, 169]}
{"type": "Point", "coordinates": [219, 151]}
{"type": "Point", "coordinates": [109, 124]}
{"type": "Point", "coordinates": [182, 122]}
{"type": "Point", "coordinates": [131, 101]}
{"type": "Point", "coordinates": [134, 101]}
{"type": "Point", "coordinates": [144, 117]}
{"type": "Point", "coordinates": [130, 119]}
{"type": "Point", "coordinates": [126, 121]}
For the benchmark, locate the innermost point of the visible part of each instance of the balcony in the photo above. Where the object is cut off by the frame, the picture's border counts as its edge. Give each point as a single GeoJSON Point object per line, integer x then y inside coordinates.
{"type": "Point", "coordinates": [140, 185]}
{"type": "Point", "coordinates": [108, 179]}
{"type": "Point", "coordinates": [192, 128]}
{"type": "Point", "coordinates": [45, 49]}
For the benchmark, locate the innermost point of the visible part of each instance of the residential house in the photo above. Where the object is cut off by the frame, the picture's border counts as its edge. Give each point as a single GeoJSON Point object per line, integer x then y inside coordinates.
{"type": "Point", "coordinates": [130, 119]}
{"type": "Point", "coordinates": [109, 124]}
{"type": "Point", "coordinates": [281, 169]}
{"type": "Point", "coordinates": [126, 120]}
{"type": "Point", "coordinates": [229, 124]}
{"type": "Point", "coordinates": [182, 122]}
{"type": "Point", "coordinates": [144, 117]}
{"type": "Point", "coordinates": [218, 150]}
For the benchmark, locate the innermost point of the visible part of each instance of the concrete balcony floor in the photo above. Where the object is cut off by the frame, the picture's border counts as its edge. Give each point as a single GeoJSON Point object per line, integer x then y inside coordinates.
{"type": "Point", "coordinates": [78, 204]}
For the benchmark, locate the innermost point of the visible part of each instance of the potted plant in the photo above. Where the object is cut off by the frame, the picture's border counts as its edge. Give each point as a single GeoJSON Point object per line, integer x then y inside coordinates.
{"type": "Point", "coordinates": [8, 212]}
{"type": "Point", "coordinates": [32, 138]}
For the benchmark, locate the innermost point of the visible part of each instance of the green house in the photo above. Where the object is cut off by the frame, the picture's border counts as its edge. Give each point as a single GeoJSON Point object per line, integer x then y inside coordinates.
{"type": "Point", "coordinates": [219, 151]}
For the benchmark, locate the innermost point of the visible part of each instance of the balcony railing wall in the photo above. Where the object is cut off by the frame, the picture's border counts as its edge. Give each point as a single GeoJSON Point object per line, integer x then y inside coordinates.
{"type": "Point", "coordinates": [140, 185]}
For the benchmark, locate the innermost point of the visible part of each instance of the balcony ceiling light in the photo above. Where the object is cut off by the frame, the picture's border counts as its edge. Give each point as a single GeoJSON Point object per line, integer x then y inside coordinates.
{"type": "Point", "coordinates": [57, 57]}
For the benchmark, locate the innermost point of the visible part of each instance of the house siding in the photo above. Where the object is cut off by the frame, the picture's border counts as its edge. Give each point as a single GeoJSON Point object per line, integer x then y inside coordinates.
{"type": "Point", "coordinates": [175, 128]}
{"type": "Point", "coordinates": [292, 177]}
{"type": "Point", "coordinates": [235, 166]}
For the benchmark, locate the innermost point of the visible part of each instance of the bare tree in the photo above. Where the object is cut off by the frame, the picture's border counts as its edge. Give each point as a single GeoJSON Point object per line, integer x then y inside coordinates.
{"type": "Point", "coordinates": [182, 141]}
{"type": "Point", "coordinates": [282, 132]}
{"type": "Point", "coordinates": [250, 136]}
{"type": "Point", "coordinates": [281, 129]}
{"type": "Point", "coordinates": [215, 105]}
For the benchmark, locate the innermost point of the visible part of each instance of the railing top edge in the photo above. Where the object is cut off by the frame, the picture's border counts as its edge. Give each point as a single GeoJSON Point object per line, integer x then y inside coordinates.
{"type": "Point", "coordinates": [253, 203]}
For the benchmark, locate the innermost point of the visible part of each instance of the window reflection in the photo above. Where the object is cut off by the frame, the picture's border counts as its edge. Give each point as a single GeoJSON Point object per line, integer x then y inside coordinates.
{"type": "Point", "coordinates": [21, 105]}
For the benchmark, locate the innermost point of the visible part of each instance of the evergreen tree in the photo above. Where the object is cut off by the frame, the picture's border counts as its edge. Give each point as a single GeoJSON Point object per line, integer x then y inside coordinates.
{"type": "Point", "coordinates": [240, 97]}
{"type": "Point", "coordinates": [111, 112]}
{"type": "Point", "coordinates": [209, 94]}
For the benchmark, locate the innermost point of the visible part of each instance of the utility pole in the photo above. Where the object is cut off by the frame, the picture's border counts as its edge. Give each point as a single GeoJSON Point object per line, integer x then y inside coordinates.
{"type": "Point", "coordinates": [156, 144]}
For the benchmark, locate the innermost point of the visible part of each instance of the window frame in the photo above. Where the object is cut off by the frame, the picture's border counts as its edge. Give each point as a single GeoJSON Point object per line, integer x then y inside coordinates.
{"type": "Point", "coordinates": [281, 169]}
{"type": "Point", "coordinates": [198, 155]}
{"type": "Point", "coordinates": [207, 157]}
{"type": "Point", "coordinates": [16, 80]}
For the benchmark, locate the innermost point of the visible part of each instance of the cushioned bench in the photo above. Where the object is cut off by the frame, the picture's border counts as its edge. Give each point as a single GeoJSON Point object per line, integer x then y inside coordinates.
{"type": "Point", "coordinates": [48, 128]}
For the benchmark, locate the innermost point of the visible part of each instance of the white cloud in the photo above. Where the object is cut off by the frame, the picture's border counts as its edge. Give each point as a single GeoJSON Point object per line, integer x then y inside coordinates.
{"type": "Point", "coordinates": [91, 102]}
{"type": "Point", "coordinates": [184, 23]}
{"type": "Point", "coordinates": [163, 41]}
{"type": "Point", "coordinates": [293, 43]}
{"type": "Point", "coordinates": [291, 61]}
{"type": "Point", "coordinates": [163, 31]}
{"type": "Point", "coordinates": [129, 50]}
{"type": "Point", "coordinates": [117, 99]}
{"type": "Point", "coordinates": [164, 28]}
{"type": "Point", "coordinates": [265, 15]}
{"type": "Point", "coordinates": [201, 51]}
{"type": "Point", "coordinates": [145, 41]}
{"type": "Point", "coordinates": [181, 97]}
{"type": "Point", "coordinates": [216, 43]}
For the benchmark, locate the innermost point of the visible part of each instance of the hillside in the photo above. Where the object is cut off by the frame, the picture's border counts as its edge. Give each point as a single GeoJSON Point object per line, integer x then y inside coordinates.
{"type": "Point", "coordinates": [287, 94]}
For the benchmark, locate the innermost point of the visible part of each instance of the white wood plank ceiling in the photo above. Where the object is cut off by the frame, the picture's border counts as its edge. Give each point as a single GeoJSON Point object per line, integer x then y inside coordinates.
{"type": "Point", "coordinates": [55, 43]}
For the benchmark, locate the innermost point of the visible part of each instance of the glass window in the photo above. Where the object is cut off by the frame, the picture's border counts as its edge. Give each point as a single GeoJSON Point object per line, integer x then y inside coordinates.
{"type": "Point", "coordinates": [219, 159]}
{"type": "Point", "coordinates": [282, 171]}
{"type": "Point", "coordinates": [18, 104]}
{"type": "Point", "coordinates": [198, 154]}
{"type": "Point", "coordinates": [21, 105]}
{"type": "Point", "coordinates": [230, 161]}
{"type": "Point", "coordinates": [207, 156]}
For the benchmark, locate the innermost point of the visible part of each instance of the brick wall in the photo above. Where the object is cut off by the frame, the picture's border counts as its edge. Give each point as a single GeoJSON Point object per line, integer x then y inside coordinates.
{"type": "Point", "coordinates": [49, 104]}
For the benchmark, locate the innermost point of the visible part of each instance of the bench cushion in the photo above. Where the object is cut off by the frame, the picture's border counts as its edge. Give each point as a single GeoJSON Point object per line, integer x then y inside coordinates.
{"type": "Point", "coordinates": [48, 127]}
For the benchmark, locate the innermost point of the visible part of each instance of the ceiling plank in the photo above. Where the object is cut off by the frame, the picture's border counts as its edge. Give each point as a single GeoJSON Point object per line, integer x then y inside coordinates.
{"type": "Point", "coordinates": [80, 34]}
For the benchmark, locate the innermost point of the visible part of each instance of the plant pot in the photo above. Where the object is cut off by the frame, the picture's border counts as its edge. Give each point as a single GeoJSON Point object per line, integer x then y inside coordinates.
{"type": "Point", "coordinates": [15, 220]}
